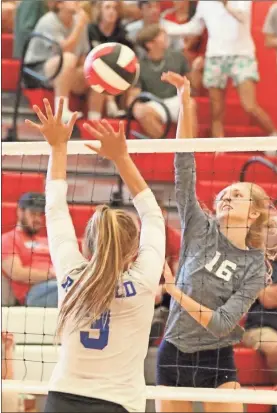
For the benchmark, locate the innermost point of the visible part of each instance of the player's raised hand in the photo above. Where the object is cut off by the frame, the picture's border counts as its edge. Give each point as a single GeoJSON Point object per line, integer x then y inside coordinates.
{"type": "Point", "coordinates": [181, 83]}
{"type": "Point", "coordinates": [113, 144]}
{"type": "Point", "coordinates": [54, 130]}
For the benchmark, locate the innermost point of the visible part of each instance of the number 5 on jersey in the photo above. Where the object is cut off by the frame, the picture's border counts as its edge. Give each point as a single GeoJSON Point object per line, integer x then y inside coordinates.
{"type": "Point", "coordinates": [100, 326]}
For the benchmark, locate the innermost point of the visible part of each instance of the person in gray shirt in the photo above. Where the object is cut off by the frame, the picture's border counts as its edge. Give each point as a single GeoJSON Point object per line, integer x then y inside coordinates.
{"type": "Point", "coordinates": [67, 25]}
{"type": "Point", "coordinates": [158, 58]}
{"type": "Point", "coordinates": [270, 28]}
{"type": "Point", "coordinates": [221, 272]}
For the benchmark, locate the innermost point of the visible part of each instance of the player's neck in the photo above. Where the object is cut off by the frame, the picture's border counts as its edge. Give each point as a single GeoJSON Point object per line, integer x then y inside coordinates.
{"type": "Point", "coordinates": [156, 55]}
{"type": "Point", "coordinates": [106, 28]}
{"type": "Point", "coordinates": [236, 236]}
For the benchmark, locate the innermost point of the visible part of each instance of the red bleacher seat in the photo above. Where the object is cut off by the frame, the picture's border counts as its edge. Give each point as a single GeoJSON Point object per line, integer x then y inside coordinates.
{"type": "Point", "coordinates": [10, 72]}
{"type": "Point", "coordinates": [7, 45]}
{"type": "Point", "coordinates": [14, 184]}
{"type": "Point", "coordinates": [251, 366]}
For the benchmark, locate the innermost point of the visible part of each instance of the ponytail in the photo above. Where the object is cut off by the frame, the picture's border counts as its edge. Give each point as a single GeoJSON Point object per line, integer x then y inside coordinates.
{"type": "Point", "coordinates": [93, 292]}
{"type": "Point", "coordinates": [109, 238]}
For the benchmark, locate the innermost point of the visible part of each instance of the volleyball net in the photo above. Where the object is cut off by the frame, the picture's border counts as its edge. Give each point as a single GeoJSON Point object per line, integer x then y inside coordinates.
{"type": "Point", "coordinates": [93, 181]}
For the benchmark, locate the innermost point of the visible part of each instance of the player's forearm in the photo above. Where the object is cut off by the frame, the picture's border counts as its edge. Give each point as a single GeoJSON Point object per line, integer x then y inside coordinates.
{"type": "Point", "coordinates": [130, 175]}
{"type": "Point", "coordinates": [57, 163]}
{"type": "Point", "coordinates": [198, 312]}
{"type": "Point", "coordinates": [186, 121]}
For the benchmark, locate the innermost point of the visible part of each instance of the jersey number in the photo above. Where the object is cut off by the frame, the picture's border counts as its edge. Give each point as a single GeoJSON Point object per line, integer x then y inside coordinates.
{"type": "Point", "coordinates": [226, 269]}
{"type": "Point", "coordinates": [102, 325]}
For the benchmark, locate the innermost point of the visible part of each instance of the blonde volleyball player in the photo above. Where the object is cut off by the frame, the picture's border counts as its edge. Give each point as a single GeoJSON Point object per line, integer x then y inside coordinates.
{"type": "Point", "coordinates": [221, 271]}
{"type": "Point", "coordinates": [106, 303]}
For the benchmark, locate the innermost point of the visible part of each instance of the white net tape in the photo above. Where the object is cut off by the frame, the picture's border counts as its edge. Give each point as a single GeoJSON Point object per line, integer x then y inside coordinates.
{"type": "Point", "coordinates": [265, 144]}
{"type": "Point", "coordinates": [34, 329]}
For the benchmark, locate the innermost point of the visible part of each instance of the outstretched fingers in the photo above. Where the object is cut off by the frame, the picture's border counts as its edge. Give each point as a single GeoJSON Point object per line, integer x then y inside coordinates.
{"type": "Point", "coordinates": [173, 78]}
{"type": "Point", "coordinates": [93, 132]}
{"type": "Point", "coordinates": [48, 110]}
{"type": "Point", "coordinates": [108, 128]}
{"type": "Point", "coordinates": [93, 147]}
{"type": "Point", "coordinates": [72, 121]}
{"type": "Point", "coordinates": [60, 110]}
{"type": "Point", "coordinates": [40, 115]}
{"type": "Point", "coordinates": [121, 130]}
{"type": "Point", "coordinates": [33, 124]}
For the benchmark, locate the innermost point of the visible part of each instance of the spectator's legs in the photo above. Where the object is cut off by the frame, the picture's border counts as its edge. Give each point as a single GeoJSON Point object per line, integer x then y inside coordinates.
{"type": "Point", "coordinates": [96, 105]}
{"type": "Point", "coordinates": [44, 294]}
{"type": "Point", "coordinates": [64, 81]}
{"type": "Point", "coordinates": [247, 93]}
{"type": "Point", "coordinates": [149, 120]}
{"type": "Point", "coordinates": [216, 73]}
{"type": "Point", "coordinates": [217, 102]}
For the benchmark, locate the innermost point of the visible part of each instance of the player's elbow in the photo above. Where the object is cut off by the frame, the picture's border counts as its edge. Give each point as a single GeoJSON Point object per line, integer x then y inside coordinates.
{"type": "Point", "coordinates": [220, 325]}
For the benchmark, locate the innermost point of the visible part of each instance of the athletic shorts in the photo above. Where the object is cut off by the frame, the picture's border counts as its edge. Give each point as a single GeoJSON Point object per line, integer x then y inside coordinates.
{"type": "Point", "coordinates": [172, 104]}
{"type": "Point", "coordinates": [208, 368]}
{"type": "Point", "coordinates": [219, 69]}
{"type": "Point", "coordinates": [70, 403]}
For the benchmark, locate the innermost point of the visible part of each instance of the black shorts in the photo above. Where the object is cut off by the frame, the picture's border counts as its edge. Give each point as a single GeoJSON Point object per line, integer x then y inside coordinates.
{"type": "Point", "coordinates": [68, 403]}
{"type": "Point", "coordinates": [209, 368]}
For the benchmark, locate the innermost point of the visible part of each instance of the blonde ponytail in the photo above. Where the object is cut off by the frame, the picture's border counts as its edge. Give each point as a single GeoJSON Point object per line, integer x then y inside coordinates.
{"type": "Point", "coordinates": [111, 237]}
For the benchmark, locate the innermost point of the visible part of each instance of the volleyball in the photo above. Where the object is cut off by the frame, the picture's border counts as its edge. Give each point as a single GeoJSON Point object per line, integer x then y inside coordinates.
{"type": "Point", "coordinates": [111, 68]}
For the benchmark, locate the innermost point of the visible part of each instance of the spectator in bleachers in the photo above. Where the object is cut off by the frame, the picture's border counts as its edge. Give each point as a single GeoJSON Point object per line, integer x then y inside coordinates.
{"type": "Point", "coordinates": [7, 17]}
{"type": "Point", "coordinates": [67, 25]}
{"type": "Point", "coordinates": [151, 14]}
{"type": "Point", "coordinates": [194, 46]}
{"type": "Point", "coordinates": [26, 260]}
{"type": "Point", "coordinates": [261, 322]}
{"type": "Point", "coordinates": [107, 28]}
{"type": "Point", "coordinates": [27, 14]}
{"type": "Point", "coordinates": [230, 54]}
{"type": "Point", "coordinates": [182, 11]}
{"type": "Point", "coordinates": [157, 59]}
{"type": "Point", "coordinates": [270, 28]}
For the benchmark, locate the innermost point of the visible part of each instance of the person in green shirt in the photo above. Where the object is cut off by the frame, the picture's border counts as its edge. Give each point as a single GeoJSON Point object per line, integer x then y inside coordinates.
{"type": "Point", "coordinates": [28, 13]}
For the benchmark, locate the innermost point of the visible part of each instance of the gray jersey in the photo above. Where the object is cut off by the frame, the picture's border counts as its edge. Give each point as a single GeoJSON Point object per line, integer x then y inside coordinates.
{"type": "Point", "coordinates": [212, 271]}
{"type": "Point", "coordinates": [50, 26]}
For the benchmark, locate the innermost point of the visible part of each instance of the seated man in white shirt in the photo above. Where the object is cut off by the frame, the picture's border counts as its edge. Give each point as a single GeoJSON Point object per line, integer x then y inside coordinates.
{"type": "Point", "coordinates": [270, 28]}
{"type": "Point", "coordinates": [230, 54]}
{"type": "Point", "coordinates": [151, 14]}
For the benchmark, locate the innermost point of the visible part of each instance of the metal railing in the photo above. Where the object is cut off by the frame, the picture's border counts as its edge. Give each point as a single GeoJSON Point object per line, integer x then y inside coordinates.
{"type": "Point", "coordinates": [24, 70]}
{"type": "Point", "coordinates": [260, 160]}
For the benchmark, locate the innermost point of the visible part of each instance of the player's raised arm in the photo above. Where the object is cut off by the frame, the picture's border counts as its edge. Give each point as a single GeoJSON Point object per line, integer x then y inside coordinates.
{"type": "Point", "coordinates": [150, 261]}
{"type": "Point", "coordinates": [63, 244]}
{"type": "Point", "coordinates": [185, 168]}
